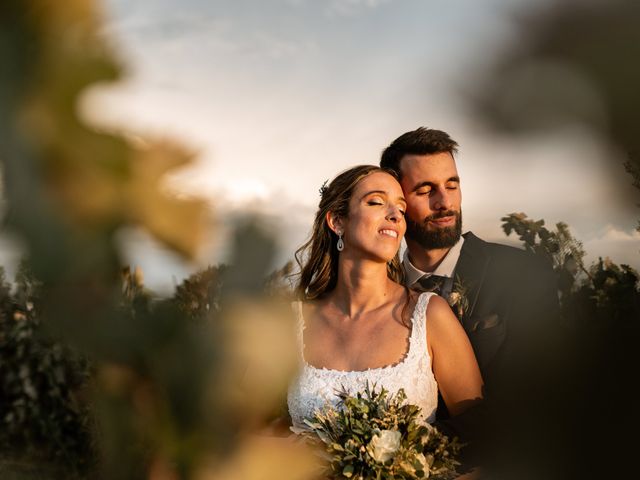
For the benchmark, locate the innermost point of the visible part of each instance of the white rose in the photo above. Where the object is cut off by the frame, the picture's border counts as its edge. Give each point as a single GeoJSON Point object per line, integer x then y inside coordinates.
{"type": "Point", "coordinates": [383, 445]}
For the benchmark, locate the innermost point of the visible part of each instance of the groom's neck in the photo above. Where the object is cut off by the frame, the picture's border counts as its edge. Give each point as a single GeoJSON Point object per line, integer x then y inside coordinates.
{"type": "Point", "coordinates": [423, 259]}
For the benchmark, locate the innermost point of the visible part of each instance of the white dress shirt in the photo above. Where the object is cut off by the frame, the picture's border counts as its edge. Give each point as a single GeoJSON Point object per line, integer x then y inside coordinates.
{"type": "Point", "coordinates": [445, 269]}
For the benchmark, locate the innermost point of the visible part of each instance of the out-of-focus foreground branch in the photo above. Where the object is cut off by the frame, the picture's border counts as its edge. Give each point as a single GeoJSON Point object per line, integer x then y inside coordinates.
{"type": "Point", "coordinates": [162, 393]}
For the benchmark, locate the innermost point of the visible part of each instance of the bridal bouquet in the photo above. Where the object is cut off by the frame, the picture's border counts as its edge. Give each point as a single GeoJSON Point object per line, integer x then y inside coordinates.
{"type": "Point", "coordinates": [375, 435]}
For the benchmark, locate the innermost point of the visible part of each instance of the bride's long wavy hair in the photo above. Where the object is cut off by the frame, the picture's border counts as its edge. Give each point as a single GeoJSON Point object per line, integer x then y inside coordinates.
{"type": "Point", "coordinates": [318, 257]}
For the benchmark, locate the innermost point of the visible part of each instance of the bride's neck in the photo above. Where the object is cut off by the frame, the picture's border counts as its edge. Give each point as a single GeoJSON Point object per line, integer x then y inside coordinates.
{"type": "Point", "coordinates": [362, 286]}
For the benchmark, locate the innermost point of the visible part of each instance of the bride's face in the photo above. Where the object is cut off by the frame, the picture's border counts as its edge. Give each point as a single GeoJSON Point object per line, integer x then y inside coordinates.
{"type": "Point", "coordinates": [375, 224]}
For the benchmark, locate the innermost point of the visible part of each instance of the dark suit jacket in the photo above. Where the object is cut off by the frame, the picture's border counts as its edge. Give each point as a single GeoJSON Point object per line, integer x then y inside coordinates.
{"type": "Point", "coordinates": [513, 303]}
{"type": "Point", "coordinates": [512, 307]}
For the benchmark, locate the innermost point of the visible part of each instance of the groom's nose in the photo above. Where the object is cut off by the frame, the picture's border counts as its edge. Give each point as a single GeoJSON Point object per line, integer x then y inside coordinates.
{"type": "Point", "coordinates": [441, 200]}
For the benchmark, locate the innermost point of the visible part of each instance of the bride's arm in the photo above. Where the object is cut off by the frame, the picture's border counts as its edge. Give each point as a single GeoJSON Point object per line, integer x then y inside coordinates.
{"type": "Point", "coordinates": [453, 361]}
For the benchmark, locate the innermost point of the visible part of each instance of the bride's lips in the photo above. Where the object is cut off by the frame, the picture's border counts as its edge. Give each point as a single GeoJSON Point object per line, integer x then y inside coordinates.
{"type": "Point", "coordinates": [444, 221]}
{"type": "Point", "coordinates": [388, 232]}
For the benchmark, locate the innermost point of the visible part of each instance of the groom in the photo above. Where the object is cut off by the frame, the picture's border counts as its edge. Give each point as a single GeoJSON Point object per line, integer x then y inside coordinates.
{"type": "Point", "coordinates": [505, 298]}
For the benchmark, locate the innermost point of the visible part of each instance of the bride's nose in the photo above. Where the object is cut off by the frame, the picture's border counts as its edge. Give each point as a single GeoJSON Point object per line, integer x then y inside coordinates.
{"type": "Point", "coordinates": [394, 214]}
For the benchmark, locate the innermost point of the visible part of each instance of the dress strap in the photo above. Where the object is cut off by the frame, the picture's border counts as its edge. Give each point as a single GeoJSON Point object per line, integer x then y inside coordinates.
{"type": "Point", "coordinates": [419, 324]}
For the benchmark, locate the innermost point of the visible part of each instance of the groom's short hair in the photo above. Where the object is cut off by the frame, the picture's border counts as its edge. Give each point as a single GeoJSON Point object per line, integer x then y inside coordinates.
{"type": "Point", "coordinates": [423, 141]}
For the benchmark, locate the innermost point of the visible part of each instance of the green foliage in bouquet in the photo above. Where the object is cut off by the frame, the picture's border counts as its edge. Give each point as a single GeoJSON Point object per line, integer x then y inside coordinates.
{"type": "Point", "coordinates": [377, 435]}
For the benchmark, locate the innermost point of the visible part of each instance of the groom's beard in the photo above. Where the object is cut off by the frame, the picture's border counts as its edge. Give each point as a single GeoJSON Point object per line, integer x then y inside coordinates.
{"type": "Point", "coordinates": [430, 239]}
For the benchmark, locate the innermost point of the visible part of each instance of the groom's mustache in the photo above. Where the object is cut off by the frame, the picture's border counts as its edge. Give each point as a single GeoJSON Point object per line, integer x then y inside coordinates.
{"type": "Point", "coordinates": [439, 215]}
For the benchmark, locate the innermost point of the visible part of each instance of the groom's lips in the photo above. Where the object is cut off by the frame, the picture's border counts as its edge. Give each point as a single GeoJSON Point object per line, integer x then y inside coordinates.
{"type": "Point", "coordinates": [444, 221]}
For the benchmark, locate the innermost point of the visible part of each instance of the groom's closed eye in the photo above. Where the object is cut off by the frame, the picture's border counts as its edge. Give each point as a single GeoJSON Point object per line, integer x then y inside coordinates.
{"type": "Point", "coordinates": [425, 190]}
{"type": "Point", "coordinates": [430, 190]}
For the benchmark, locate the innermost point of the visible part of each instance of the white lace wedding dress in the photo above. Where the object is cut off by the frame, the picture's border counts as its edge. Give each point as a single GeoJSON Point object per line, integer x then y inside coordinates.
{"type": "Point", "coordinates": [315, 387]}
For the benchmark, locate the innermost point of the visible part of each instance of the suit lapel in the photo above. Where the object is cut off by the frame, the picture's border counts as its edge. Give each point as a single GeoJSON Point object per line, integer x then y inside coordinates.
{"type": "Point", "coordinates": [471, 268]}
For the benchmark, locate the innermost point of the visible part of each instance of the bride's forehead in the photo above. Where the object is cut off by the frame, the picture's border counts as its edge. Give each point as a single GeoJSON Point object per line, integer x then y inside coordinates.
{"type": "Point", "coordinates": [378, 181]}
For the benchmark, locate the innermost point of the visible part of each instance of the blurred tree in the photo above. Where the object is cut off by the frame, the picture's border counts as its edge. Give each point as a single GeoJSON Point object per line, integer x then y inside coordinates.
{"type": "Point", "coordinates": [199, 294]}
{"type": "Point", "coordinates": [572, 61]}
{"type": "Point", "coordinates": [171, 397]}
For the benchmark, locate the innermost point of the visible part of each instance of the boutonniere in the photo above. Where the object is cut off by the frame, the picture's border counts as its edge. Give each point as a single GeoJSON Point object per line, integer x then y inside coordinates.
{"type": "Point", "coordinates": [457, 299]}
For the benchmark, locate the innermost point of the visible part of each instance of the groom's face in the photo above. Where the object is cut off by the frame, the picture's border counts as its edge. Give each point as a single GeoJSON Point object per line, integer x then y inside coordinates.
{"type": "Point", "coordinates": [431, 186]}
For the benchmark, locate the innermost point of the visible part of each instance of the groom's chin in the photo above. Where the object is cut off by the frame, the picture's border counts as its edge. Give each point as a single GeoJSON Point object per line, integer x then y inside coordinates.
{"type": "Point", "coordinates": [445, 237]}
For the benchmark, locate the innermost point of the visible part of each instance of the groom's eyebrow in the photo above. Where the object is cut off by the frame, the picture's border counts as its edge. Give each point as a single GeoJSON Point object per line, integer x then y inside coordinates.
{"type": "Point", "coordinates": [455, 178]}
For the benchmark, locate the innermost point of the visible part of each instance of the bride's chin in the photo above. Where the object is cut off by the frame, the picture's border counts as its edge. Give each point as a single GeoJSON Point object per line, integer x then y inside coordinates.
{"type": "Point", "coordinates": [386, 258]}
{"type": "Point", "coordinates": [377, 255]}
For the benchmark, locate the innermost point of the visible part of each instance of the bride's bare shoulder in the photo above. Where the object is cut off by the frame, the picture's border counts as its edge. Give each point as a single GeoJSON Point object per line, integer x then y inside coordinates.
{"type": "Point", "coordinates": [438, 305]}
{"type": "Point", "coordinates": [442, 323]}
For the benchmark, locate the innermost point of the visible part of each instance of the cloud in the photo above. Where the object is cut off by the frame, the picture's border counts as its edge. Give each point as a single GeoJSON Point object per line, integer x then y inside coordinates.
{"type": "Point", "coordinates": [621, 246]}
{"type": "Point", "coordinates": [277, 47]}
{"type": "Point", "coordinates": [613, 234]}
{"type": "Point", "coordinates": [193, 44]}
{"type": "Point", "coordinates": [340, 7]}
{"type": "Point", "coordinates": [351, 7]}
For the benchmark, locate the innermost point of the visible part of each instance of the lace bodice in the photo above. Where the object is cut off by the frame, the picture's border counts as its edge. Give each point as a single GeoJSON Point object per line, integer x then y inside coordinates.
{"type": "Point", "coordinates": [314, 387]}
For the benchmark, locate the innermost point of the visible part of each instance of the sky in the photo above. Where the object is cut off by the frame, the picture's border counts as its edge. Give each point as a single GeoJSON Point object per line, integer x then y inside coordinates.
{"type": "Point", "coordinates": [277, 96]}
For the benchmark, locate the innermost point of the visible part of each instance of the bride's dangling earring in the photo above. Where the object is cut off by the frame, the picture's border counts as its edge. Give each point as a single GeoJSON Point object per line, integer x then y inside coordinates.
{"type": "Point", "coordinates": [340, 244]}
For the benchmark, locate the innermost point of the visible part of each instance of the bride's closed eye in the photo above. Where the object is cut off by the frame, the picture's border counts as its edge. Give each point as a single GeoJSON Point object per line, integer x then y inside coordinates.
{"type": "Point", "coordinates": [375, 201]}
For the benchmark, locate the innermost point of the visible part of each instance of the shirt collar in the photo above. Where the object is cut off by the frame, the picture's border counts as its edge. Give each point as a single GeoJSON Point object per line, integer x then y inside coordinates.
{"type": "Point", "coordinates": [445, 269]}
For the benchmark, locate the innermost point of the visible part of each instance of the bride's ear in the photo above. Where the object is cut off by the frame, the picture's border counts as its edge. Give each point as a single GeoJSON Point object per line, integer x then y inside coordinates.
{"type": "Point", "coordinates": [335, 223]}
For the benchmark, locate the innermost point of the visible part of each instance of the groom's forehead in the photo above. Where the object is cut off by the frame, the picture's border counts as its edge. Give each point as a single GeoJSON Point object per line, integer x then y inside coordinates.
{"type": "Point", "coordinates": [434, 165]}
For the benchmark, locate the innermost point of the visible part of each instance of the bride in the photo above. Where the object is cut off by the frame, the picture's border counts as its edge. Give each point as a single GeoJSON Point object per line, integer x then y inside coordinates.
{"type": "Point", "coordinates": [357, 322]}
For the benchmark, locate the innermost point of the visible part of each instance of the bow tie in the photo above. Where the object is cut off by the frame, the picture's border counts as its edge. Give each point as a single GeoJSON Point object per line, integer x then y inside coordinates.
{"type": "Point", "coordinates": [431, 283]}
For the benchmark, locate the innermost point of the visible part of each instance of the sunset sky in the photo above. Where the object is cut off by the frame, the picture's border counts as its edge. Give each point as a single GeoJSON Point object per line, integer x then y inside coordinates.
{"type": "Point", "coordinates": [279, 95]}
